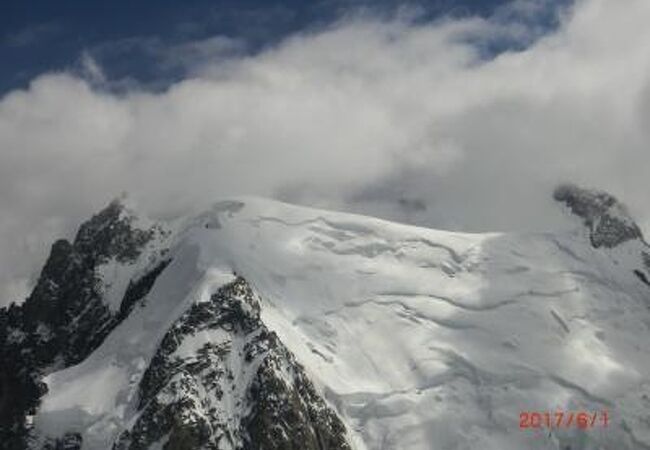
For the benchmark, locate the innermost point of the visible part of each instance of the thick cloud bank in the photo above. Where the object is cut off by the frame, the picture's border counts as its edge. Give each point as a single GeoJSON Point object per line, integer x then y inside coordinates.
{"type": "Point", "coordinates": [400, 119]}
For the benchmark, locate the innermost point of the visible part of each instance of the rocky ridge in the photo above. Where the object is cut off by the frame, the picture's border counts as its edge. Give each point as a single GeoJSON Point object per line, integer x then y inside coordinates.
{"type": "Point", "coordinates": [220, 379]}
{"type": "Point", "coordinates": [607, 219]}
{"type": "Point", "coordinates": [65, 317]}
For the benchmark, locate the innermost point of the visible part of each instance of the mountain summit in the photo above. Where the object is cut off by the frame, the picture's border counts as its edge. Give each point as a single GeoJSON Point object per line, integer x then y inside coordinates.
{"type": "Point", "coordinates": [258, 325]}
{"type": "Point", "coordinates": [609, 222]}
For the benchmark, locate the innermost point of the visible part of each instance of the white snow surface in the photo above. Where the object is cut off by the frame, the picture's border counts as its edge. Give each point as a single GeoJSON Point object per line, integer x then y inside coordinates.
{"type": "Point", "coordinates": [420, 339]}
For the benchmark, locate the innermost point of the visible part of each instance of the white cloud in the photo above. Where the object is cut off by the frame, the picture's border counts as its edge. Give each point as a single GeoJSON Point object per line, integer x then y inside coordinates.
{"type": "Point", "coordinates": [32, 34]}
{"type": "Point", "coordinates": [372, 116]}
{"type": "Point", "coordinates": [91, 69]}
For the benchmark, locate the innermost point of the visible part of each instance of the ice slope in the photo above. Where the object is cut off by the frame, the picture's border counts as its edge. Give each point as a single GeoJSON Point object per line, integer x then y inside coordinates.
{"type": "Point", "coordinates": [419, 338]}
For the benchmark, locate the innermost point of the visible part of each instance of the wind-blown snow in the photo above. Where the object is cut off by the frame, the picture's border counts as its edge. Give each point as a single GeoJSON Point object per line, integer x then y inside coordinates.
{"type": "Point", "coordinates": [421, 339]}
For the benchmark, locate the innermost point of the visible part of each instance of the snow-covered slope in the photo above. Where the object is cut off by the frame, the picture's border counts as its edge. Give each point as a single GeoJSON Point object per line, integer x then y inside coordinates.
{"type": "Point", "coordinates": [353, 331]}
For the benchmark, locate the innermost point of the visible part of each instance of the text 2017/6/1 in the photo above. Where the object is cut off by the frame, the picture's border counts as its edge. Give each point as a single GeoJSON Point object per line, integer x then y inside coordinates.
{"type": "Point", "coordinates": [563, 419]}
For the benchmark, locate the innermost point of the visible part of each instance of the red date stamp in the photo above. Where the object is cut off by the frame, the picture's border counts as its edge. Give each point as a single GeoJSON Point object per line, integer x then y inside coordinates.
{"type": "Point", "coordinates": [583, 420]}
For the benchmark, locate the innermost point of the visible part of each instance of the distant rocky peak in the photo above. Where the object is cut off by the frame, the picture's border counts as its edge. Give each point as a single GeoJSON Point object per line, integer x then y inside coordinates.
{"type": "Point", "coordinates": [608, 220]}
{"type": "Point", "coordinates": [114, 232]}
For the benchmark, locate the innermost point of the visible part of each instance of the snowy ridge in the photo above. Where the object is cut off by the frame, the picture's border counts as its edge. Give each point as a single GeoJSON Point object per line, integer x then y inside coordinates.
{"type": "Point", "coordinates": [413, 338]}
{"type": "Point", "coordinates": [219, 377]}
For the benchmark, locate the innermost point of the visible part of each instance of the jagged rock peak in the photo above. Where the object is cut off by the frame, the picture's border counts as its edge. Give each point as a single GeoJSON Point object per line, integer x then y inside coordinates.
{"type": "Point", "coordinates": [608, 220]}
{"type": "Point", "coordinates": [115, 231]}
{"type": "Point", "coordinates": [67, 315]}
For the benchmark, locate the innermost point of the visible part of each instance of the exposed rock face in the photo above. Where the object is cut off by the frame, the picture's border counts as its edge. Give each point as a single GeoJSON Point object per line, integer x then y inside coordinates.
{"type": "Point", "coordinates": [607, 219]}
{"type": "Point", "coordinates": [65, 318]}
{"type": "Point", "coordinates": [646, 259]}
{"type": "Point", "coordinates": [70, 441]}
{"type": "Point", "coordinates": [221, 379]}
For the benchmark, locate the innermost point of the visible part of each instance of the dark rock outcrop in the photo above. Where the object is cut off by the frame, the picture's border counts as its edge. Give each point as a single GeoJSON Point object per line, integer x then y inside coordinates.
{"type": "Point", "coordinates": [70, 441]}
{"type": "Point", "coordinates": [239, 385]}
{"type": "Point", "coordinates": [607, 219]}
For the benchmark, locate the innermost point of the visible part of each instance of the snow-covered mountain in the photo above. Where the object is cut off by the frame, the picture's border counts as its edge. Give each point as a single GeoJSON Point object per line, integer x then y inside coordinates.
{"type": "Point", "coordinates": [261, 325]}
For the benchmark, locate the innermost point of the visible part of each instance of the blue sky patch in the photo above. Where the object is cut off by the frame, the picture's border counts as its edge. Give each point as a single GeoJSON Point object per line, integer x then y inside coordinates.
{"type": "Point", "coordinates": [146, 43]}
